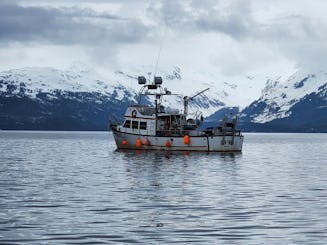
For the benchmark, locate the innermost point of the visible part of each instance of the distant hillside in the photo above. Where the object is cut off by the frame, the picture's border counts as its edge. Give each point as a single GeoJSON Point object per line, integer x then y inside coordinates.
{"type": "Point", "coordinates": [81, 99]}
{"type": "Point", "coordinates": [298, 104]}
{"type": "Point", "coordinates": [51, 99]}
{"type": "Point", "coordinates": [76, 99]}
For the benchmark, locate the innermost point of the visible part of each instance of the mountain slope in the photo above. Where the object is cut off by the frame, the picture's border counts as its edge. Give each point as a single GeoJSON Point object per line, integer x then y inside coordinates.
{"type": "Point", "coordinates": [298, 104]}
{"type": "Point", "coordinates": [50, 99]}
{"type": "Point", "coordinates": [81, 99]}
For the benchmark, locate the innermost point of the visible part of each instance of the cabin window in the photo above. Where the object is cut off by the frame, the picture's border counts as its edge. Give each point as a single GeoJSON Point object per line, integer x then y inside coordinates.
{"type": "Point", "coordinates": [143, 125]}
{"type": "Point", "coordinates": [135, 124]}
{"type": "Point", "coordinates": [127, 124]}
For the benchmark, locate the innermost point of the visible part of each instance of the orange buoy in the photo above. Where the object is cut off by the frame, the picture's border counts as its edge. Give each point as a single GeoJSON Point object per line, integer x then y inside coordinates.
{"type": "Point", "coordinates": [138, 142]}
{"type": "Point", "coordinates": [146, 141]}
{"type": "Point", "coordinates": [186, 139]}
{"type": "Point", "coordinates": [168, 143]}
{"type": "Point", "coordinates": [124, 142]}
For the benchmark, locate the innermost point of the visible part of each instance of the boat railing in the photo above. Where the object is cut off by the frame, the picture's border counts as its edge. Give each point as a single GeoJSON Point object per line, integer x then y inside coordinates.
{"type": "Point", "coordinates": [179, 132]}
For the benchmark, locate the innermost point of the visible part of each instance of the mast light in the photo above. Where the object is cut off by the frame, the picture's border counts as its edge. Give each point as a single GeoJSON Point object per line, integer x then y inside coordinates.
{"type": "Point", "coordinates": [141, 80]}
{"type": "Point", "coordinates": [158, 80]}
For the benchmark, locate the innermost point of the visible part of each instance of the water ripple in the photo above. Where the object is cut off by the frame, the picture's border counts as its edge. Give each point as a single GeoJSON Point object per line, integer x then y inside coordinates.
{"type": "Point", "coordinates": [74, 188]}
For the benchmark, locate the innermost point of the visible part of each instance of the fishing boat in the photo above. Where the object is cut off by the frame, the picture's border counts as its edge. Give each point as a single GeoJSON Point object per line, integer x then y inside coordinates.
{"type": "Point", "coordinates": [152, 126]}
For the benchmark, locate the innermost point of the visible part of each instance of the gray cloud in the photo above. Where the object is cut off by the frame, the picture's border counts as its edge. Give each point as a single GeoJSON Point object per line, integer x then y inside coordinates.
{"type": "Point", "coordinates": [65, 26]}
{"type": "Point", "coordinates": [297, 37]}
{"type": "Point", "coordinates": [233, 19]}
{"type": "Point", "coordinates": [293, 34]}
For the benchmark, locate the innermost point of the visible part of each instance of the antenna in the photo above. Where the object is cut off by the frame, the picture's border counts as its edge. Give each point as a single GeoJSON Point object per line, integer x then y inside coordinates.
{"type": "Point", "coordinates": [159, 53]}
{"type": "Point", "coordinates": [155, 69]}
{"type": "Point", "coordinates": [149, 74]}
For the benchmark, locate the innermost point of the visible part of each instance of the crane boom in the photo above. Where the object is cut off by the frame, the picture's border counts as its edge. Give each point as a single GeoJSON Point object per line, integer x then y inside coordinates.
{"type": "Point", "coordinates": [204, 90]}
{"type": "Point", "coordinates": [187, 99]}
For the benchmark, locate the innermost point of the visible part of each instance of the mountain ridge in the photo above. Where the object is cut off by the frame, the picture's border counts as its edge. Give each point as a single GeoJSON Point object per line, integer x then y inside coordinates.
{"type": "Point", "coordinates": [79, 98]}
{"type": "Point", "coordinates": [298, 104]}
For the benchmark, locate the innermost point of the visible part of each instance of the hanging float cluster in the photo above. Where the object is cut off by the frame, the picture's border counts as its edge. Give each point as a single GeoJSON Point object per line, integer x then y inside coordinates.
{"type": "Point", "coordinates": [138, 142]}
{"type": "Point", "coordinates": [146, 142]}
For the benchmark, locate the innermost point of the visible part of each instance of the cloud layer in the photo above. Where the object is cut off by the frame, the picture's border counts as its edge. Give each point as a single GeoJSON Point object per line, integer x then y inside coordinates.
{"type": "Point", "coordinates": [236, 36]}
{"type": "Point", "coordinates": [65, 26]}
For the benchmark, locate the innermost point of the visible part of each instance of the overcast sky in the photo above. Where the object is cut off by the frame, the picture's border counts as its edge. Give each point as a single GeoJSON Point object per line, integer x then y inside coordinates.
{"type": "Point", "coordinates": [229, 37]}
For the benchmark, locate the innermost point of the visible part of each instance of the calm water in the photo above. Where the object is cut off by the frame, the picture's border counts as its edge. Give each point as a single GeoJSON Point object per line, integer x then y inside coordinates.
{"type": "Point", "coordinates": [74, 188]}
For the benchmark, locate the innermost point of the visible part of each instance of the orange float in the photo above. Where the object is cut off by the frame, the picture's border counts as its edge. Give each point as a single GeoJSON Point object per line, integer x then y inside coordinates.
{"type": "Point", "coordinates": [168, 143]}
{"type": "Point", "coordinates": [138, 143]}
{"type": "Point", "coordinates": [186, 139]}
{"type": "Point", "coordinates": [124, 142]}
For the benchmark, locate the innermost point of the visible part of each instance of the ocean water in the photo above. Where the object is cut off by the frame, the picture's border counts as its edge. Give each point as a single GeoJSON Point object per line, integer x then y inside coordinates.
{"type": "Point", "coordinates": [75, 188]}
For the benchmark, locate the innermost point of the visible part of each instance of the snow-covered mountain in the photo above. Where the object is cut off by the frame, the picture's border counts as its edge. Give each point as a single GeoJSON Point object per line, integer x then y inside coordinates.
{"type": "Point", "coordinates": [297, 104]}
{"type": "Point", "coordinates": [41, 97]}
{"type": "Point", "coordinates": [46, 98]}
{"type": "Point", "coordinates": [80, 98]}
{"type": "Point", "coordinates": [35, 80]}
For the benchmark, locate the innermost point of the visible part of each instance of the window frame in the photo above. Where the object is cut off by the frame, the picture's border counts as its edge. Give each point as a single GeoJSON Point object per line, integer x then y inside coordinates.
{"type": "Point", "coordinates": [127, 122]}
{"type": "Point", "coordinates": [135, 124]}
{"type": "Point", "coordinates": [143, 125]}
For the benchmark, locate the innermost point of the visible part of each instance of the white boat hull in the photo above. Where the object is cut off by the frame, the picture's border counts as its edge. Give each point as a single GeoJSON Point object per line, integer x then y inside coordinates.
{"type": "Point", "coordinates": [214, 143]}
